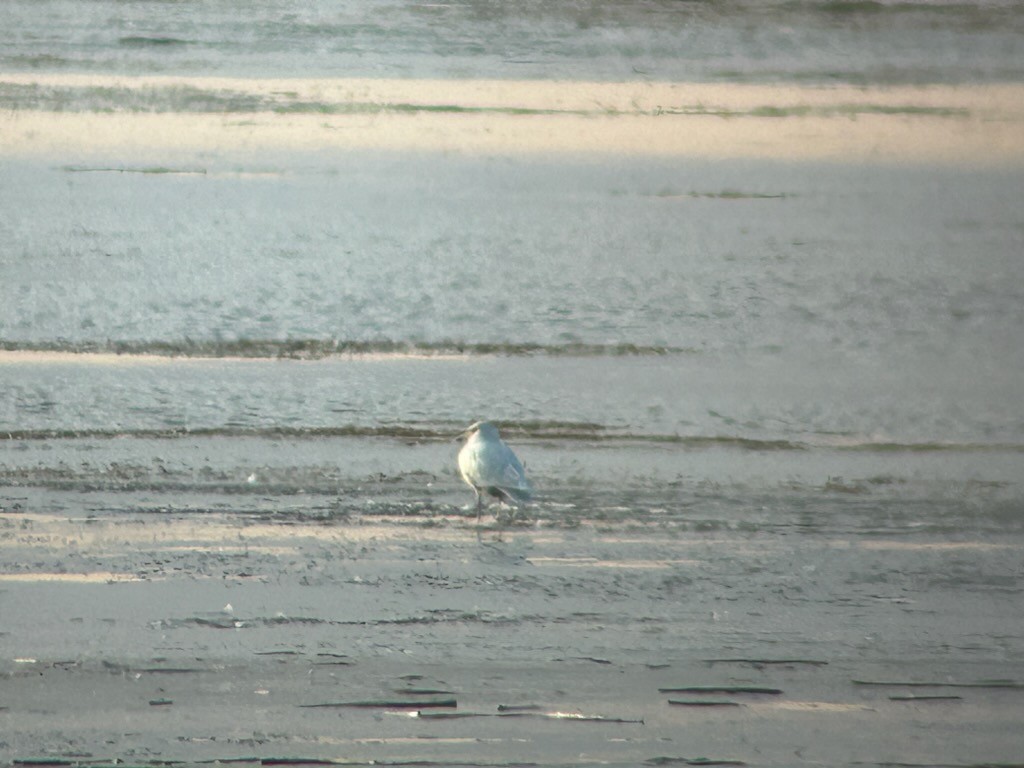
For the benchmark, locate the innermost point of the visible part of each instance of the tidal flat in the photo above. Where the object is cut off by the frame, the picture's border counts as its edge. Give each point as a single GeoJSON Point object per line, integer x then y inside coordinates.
{"type": "Point", "coordinates": [160, 612]}
{"type": "Point", "coordinates": [740, 283]}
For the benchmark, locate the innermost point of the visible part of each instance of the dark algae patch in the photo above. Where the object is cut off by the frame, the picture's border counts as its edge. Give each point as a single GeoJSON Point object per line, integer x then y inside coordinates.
{"type": "Point", "coordinates": [753, 689]}
{"type": "Point", "coordinates": [140, 40]}
{"type": "Point", "coordinates": [156, 170]}
{"type": "Point", "coordinates": [314, 349]}
{"type": "Point", "coordinates": [770, 662]}
{"type": "Point", "coordinates": [195, 100]}
{"type": "Point", "coordinates": [997, 684]}
{"type": "Point", "coordinates": [687, 761]}
{"type": "Point", "coordinates": [384, 704]}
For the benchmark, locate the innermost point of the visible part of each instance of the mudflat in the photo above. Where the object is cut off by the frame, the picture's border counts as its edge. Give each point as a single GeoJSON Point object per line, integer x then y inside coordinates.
{"type": "Point", "coordinates": [805, 559]}
{"type": "Point", "coordinates": [382, 627]}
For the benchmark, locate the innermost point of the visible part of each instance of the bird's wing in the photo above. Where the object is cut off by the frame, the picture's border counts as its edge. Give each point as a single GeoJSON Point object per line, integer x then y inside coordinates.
{"type": "Point", "coordinates": [494, 464]}
{"type": "Point", "coordinates": [513, 474]}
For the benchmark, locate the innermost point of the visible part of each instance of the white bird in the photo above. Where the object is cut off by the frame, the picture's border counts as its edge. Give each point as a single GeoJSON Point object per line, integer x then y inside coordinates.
{"type": "Point", "coordinates": [489, 466]}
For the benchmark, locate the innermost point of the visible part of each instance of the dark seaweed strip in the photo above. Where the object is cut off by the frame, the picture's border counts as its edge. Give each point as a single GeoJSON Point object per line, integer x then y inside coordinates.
{"type": "Point", "coordinates": [760, 662]}
{"type": "Point", "coordinates": [722, 689]}
{"type": "Point", "coordinates": [382, 704]}
{"type": "Point", "coordinates": [530, 715]}
{"type": "Point", "coordinates": [914, 684]}
{"type": "Point", "coordinates": [690, 761]}
{"type": "Point", "coordinates": [925, 698]}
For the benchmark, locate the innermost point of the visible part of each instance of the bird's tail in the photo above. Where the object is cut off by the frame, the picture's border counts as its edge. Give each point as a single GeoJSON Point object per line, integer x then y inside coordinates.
{"type": "Point", "coordinates": [515, 495]}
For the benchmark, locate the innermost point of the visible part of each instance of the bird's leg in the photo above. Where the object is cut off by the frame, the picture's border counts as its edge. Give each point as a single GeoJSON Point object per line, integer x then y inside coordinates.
{"type": "Point", "coordinates": [501, 515]}
{"type": "Point", "coordinates": [479, 505]}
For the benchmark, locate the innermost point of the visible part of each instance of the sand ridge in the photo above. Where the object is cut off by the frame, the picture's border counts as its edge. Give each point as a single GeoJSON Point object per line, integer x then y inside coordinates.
{"type": "Point", "coordinates": [978, 125]}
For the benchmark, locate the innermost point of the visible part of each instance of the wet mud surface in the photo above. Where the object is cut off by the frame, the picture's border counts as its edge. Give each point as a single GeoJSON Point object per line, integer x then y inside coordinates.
{"type": "Point", "coordinates": [614, 624]}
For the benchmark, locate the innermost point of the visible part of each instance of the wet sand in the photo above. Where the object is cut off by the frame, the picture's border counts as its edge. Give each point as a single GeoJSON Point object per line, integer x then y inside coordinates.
{"type": "Point", "coordinates": [376, 625]}
{"type": "Point", "coordinates": [975, 125]}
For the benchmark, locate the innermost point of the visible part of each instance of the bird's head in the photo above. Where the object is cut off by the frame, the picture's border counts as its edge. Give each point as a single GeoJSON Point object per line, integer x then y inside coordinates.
{"type": "Point", "coordinates": [484, 428]}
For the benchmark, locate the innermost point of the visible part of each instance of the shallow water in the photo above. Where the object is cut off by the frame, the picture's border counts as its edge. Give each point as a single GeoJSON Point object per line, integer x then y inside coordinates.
{"type": "Point", "coordinates": [751, 300]}
{"type": "Point", "coordinates": [804, 41]}
{"type": "Point", "coordinates": [734, 346]}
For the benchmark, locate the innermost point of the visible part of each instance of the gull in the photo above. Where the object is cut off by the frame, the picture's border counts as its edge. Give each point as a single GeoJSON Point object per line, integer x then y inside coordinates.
{"type": "Point", "coordinates": [489, 466]}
